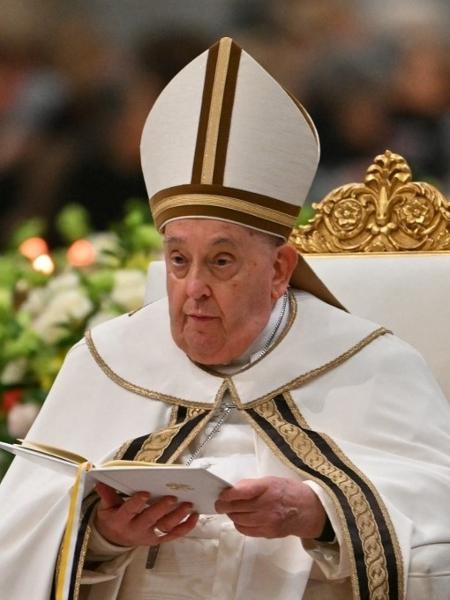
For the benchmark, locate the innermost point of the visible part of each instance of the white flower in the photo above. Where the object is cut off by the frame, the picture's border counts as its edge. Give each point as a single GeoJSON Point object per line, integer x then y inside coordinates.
{"type": "Point", "coordinates": [38, 299]}
{"type": "Point", "coordinates": [69, 305]}
{"type": "Point", "coordinates": [65, 281]}
{"type": "Point", "coordinates": [35, 302]}
{"type": "Point", "coordinates": [129, 288]}
{"type": "Point", "coordinates": [20, 419]}
{"type": "Point", "coordinates": [104, 243]}
{"type": "Point", "coordinates": [14, 371]}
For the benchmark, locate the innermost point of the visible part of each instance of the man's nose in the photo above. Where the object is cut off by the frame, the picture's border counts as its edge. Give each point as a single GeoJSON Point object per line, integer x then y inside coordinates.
{"type": "Point", "coordinates": [197, 286]}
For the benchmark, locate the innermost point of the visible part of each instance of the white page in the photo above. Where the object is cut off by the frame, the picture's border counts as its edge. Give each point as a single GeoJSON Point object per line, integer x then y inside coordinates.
{"type": "Point", "coordinates": [196, 485]}
{"type": "Point", "coordinates": [44, 460]}
{"type": "Point", "coordinates": [187, 484]}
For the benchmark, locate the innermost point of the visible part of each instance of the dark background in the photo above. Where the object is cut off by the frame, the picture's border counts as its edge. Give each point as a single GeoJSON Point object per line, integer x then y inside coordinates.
{"type": "Point", "coordinates": [78, 77]}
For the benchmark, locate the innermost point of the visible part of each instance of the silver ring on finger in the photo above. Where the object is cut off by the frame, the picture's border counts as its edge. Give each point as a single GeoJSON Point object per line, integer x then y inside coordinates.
{"type": "Point", "coordinates": [159, 532]}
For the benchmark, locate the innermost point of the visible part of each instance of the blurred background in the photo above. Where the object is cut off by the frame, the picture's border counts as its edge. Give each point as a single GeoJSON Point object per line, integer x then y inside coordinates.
{"type": "Point", "coordinates": [78, 77]}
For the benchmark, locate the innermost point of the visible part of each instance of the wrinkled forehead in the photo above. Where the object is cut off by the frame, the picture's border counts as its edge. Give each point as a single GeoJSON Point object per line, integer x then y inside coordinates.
{"type": "Point", "coordinates": [191, 227]}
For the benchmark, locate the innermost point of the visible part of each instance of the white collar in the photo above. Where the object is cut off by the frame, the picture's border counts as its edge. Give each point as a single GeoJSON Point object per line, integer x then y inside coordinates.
{"type": "Point", "coordinates": [139, 350]}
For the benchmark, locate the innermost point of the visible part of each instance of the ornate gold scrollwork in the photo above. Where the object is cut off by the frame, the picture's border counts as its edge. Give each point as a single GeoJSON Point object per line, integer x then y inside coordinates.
{"type": "Point", "coordinates": [387, 213]}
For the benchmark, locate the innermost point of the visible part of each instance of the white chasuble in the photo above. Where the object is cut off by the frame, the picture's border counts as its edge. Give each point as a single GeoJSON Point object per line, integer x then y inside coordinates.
{"type": "Point", "coordinates": [338, 402]}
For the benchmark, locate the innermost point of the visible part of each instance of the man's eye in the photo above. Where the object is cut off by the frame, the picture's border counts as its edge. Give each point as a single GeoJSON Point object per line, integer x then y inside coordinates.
{"type": "Point", "coordinates": [177, 260]}
{"type": "Point", "coordinates": [223, 261]}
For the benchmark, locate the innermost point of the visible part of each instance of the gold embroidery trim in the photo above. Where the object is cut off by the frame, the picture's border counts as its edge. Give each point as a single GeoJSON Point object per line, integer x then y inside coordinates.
{"type": "Point", "coordinates": [185, 443]}
{"type": "Point", "coordinates": [137, 389]}
{"type": "Point", "coordinates": [121, 451]}
{"type": "Point", "coordinates": [295, 411]}
{"type": "Point", "coordinates": [314, 373]}
{"type": "Point", "coordinates": [343, 457]}
{"type": "Point", "coordinates": [262, 434]}
{"type": "Point", "coordinates": [157, 442]}
{"type": "Point", "coordinates": [212, 131]}
{"type": "Point", "coordinates": [82, 557]}
{"type": "Point", "coordinates": [81, 561]}
{"type": "Point", "coordinates": [395, 543]}
{"type": "Point", "coordinates": [236, 204]}
{"type": "Point", "coordinates": [293, 384]}
{"type": "Point", "coordinates": [173, 415]}
{"type": "Point", "coordinates": [305, 449]}
{"type": "Point", "coordinates": [84, 548]}
{"type": "Point", "coordinates": [337, 506]}
{"type": "Point", "coordinates": [224, 191]}
{"type": "Point", "coordinates": [65, 569]}
{"type": "Point", "coordinates": [57, 569]}
{"type": "Point", "coordinates": [155, 445]}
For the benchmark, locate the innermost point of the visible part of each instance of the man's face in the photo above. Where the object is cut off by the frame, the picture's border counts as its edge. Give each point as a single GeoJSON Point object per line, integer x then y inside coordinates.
{"type": "Point", "coordinates": [222, 282]}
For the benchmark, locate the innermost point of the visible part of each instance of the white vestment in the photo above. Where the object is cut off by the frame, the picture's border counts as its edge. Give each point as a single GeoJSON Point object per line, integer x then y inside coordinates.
{"type": "Point", "coordinates": [356, 414]}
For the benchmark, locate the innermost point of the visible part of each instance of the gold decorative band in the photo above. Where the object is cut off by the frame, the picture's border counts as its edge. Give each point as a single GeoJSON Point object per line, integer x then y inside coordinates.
{"type": "Point", "coordinates": [215, 112]}
{"type": "Point", "coordinates": [137, 389]}
{"type": "Point", "coordinates": [161, 208]}
{"type": "Point", "coordinates": [217, 189]}
{"type": "Point", "coordinates": [223, 134]}
{"type": "Point", "coordinates": [197, 166]}
{"type": "Point", "coordinates": [372, 545]}
{"type": "Point", "coordinates": [65, 566]}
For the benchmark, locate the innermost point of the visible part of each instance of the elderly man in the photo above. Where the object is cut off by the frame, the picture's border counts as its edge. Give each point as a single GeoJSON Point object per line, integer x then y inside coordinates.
{"type": "Point", "coordinates": [315, 416]}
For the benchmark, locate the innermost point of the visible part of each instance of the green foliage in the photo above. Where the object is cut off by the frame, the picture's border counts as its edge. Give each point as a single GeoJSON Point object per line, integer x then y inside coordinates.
{"type": "Point", "coordinates": [42, 316]}
{"type": "Point", "coordinates": [73, 222]}
{"type": "Point", "coordinates": [31, 228]}
{"type": "Point", "coordinates": [305, 215]}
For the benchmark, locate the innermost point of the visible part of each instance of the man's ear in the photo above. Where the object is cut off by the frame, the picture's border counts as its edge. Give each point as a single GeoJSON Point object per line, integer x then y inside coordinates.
{"type": "Point", "coordinates": [285, 261]}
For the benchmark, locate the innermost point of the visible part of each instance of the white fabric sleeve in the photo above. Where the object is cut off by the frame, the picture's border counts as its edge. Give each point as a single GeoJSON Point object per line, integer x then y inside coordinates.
{"type": "Point", "coordinates": [111, 560]}
{"type": "Point", "coordinates": [332, 558]}
{"type": "Point", "coordinates": [100, 549]}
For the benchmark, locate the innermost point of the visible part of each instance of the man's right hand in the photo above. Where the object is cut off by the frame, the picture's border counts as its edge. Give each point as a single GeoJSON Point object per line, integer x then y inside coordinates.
{"type": "Point", "coordinates": [129, 523]}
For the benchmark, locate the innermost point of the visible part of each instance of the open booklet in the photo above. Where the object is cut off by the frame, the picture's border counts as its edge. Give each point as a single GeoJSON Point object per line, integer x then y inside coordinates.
{"type": "Point", "coordinates": [188, 484]}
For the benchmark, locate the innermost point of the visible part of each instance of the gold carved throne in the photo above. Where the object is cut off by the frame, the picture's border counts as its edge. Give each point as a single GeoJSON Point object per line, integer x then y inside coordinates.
{"type": "Point", "coordinates": [382, 247]}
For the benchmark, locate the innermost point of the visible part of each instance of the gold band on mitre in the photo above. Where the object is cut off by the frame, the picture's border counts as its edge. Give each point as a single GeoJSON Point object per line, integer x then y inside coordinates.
{"type": "Point", "coordinates": [262, 213]}
{"type": "Point", "coordinates": [229, 204]}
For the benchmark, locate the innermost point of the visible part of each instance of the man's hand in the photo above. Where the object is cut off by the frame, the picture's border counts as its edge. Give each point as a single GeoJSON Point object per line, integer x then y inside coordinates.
{"type": "Point", "coordinates": [273, 507]}
{"type": "Point", "coordinates": [129, 523]}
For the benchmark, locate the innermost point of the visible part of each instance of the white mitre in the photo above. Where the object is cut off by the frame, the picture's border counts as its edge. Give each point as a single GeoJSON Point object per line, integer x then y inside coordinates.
{"type": "Point", "coordinates": [225, 141]}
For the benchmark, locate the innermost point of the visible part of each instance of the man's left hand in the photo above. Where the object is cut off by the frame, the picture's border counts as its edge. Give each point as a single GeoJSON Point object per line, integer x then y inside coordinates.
{"type": "Point", "coordinates": [273, 507]}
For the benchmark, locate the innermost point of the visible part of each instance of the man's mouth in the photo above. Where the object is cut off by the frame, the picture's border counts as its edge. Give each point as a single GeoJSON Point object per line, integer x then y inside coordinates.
{"type": "Point", "coordinates": [199, 318]}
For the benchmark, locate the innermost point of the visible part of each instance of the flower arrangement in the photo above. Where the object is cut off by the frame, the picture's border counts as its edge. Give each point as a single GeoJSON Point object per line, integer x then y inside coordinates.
{"type": "Point", "coordinates": [48, 300]}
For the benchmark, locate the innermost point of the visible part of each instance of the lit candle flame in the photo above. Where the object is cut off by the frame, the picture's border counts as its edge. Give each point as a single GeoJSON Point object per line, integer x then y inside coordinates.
{"type": "Point", "coordinates": [81, 253]}
{"type": "Point", "coordinates": [43, 264]}
{"type": "Point", "coordinates": [33, 247]}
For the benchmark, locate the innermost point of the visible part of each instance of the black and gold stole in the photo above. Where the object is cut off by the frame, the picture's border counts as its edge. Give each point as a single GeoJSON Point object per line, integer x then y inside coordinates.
{"type": "Point", "coordinates": [161, 446]}
{"type": "Point", "coordinates": [377, 567]}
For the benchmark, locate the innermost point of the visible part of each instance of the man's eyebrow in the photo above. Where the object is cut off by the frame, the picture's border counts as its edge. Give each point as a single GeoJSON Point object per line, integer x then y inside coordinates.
{"type": "Point", "coordinates": [173, 239]}
{"type": "Point", "coordinates": [224, 240]}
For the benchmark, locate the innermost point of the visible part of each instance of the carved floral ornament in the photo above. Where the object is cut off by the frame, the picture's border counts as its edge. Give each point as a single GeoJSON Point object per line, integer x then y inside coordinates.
{"type": "Point", "coordinates": [387, 213]}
